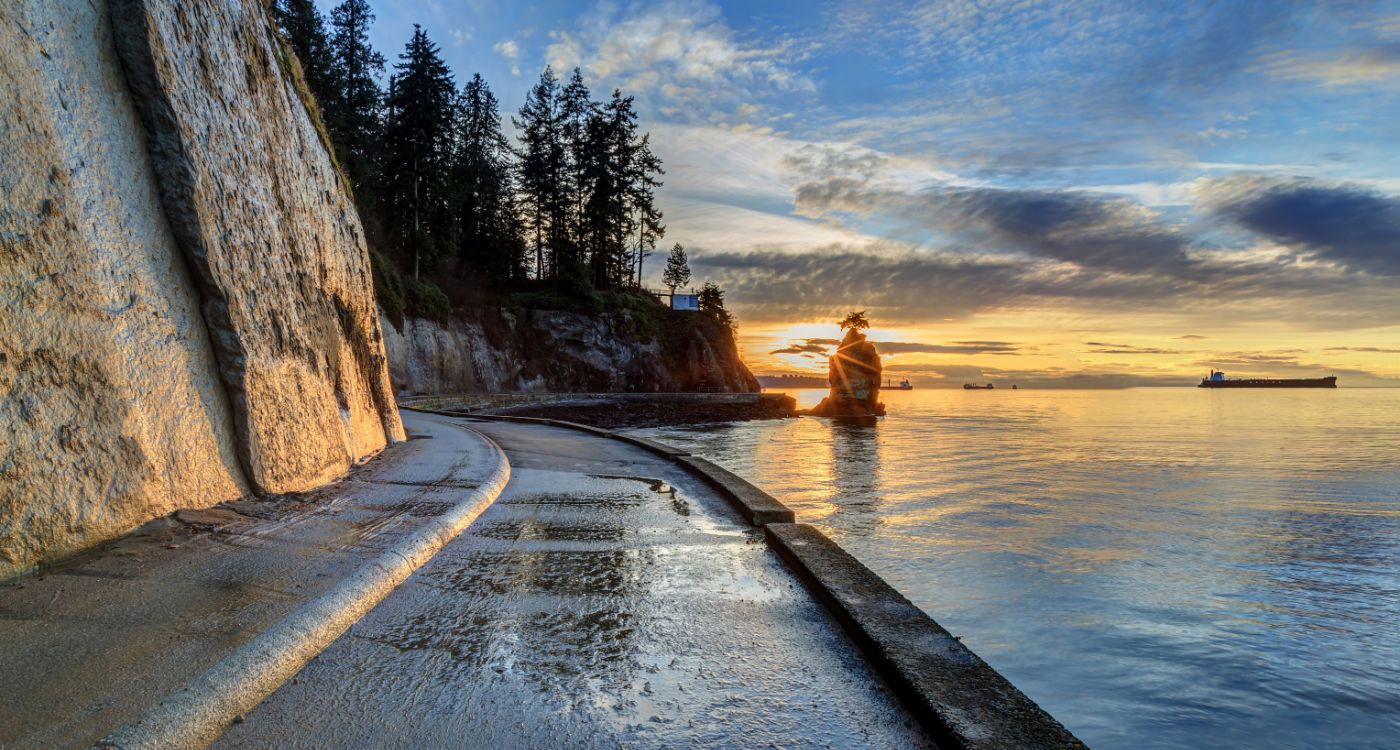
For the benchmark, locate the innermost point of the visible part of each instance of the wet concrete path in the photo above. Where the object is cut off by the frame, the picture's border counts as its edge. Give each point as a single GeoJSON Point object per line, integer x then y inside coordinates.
{"type": "Point", "coordinates": [607, 599]}
{"type": "Point", "coordinates": [88, 645]}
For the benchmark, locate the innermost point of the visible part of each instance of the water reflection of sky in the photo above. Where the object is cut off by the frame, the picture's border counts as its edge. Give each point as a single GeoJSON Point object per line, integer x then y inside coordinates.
{"type": "Point", "coordinates": [1157, 567]}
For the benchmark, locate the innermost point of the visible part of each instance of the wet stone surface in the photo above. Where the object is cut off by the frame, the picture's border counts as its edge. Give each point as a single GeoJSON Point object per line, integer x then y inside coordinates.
{"type": "Point", "coordinates": [89, 644]}
{"type": "Point", "coordinates": [606, 600]}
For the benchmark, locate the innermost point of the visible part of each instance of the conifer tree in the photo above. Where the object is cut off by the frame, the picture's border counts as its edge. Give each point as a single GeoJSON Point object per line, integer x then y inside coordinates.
{"type": "Point", "coordinates": [489, 236]}
{"type": "Point", "coordinates": [603, 180]}
{"type": "Point", "coordinates": [542, 174]}
{"type": "Point", "coordinates": [641, 198]}
{"type": "Point", "coordinates": [711, 302]}
{"type": "Point", "coordinates": [304, 28]}
{"type": "Point", "coordinates": [677, 273]}
{"type": "Point", "coordinates": [618, 175]}
{"type": "Point", "coordinates": [352, 114]}
{"type": "Point", "coordinates": [417, 153]}
{"type": "Point", "coordinates": [576, 109]}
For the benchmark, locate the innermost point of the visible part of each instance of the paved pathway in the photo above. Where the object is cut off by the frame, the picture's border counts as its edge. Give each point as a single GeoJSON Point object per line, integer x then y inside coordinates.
{"type": "Point", "coordinates": [89, 645]}
{"type": "Point", "coordinates": [607, 599]}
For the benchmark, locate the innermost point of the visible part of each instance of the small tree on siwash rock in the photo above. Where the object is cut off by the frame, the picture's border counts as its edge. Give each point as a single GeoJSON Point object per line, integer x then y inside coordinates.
{"type": "Point", "coordinates": [855, 321]}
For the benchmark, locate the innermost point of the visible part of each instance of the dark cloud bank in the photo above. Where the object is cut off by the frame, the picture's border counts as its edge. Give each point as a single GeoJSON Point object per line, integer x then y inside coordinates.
{"type": "Point", "coordinates": [1038, 248]}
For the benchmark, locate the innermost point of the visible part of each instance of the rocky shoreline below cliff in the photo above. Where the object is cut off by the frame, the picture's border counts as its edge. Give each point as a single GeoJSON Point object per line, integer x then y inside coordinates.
{"type": "Point", "coordinates": [615, 414]}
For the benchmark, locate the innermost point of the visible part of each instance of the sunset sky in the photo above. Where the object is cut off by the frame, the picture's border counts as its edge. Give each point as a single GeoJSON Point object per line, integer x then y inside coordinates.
{"type": "Point", "coordinates": [1057, 193]}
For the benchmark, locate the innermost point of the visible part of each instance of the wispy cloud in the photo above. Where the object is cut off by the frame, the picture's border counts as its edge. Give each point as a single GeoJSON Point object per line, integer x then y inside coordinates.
{"type": "Point", "coordinates": [1100, 347]}
{"type": "Point", "coordinates": [680, 54]}
{"type": "Point", "coordinates": [510, 51]}
{"type": "Point", "coordinates": [1351, 67]}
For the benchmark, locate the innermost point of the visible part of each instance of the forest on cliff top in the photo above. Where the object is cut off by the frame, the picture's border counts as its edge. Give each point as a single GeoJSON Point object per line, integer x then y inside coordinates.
{"type": "Point", "coordinates": [458, 213]}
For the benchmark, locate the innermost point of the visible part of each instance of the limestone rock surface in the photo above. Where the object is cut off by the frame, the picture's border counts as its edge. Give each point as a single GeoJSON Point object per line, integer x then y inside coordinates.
{"type": "Point", "coordinates": [111, 411]}
{"type": "Point", "coordinates": [271, 234]}
{"type": "Point", "coordinates": [186, 310]}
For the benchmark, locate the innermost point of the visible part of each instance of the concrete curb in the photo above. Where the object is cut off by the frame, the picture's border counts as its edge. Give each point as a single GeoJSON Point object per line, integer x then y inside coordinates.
{"type": "Point", "coordinates": [759, 507]}
{"type": "Point", "coordinates": [956, 696]}
{"type": "Point", "coordinates": [960, 700]}
{"type": "Point", "coordinates": [195, 715]}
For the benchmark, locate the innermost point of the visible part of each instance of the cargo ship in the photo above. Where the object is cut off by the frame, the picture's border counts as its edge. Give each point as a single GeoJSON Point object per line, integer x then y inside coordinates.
{"type": "Point", "coordinates": [971, 387]}
{"type": "Point", "coordinates": [1217, 380]}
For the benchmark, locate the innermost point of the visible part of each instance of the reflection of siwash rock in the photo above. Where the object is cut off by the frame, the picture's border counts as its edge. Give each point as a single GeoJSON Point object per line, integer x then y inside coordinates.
{"type": "Point", "coordinates": [855, 380]}
{"type": "Point", "coordinates": [186, 312]}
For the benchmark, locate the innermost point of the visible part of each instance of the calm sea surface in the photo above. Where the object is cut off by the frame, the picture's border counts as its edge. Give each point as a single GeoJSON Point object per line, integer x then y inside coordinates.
{"type": "Point", "coordinates": [1158, 568]}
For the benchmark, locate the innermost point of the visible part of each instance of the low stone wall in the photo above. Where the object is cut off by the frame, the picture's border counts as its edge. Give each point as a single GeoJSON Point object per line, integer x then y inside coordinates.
{"type": "Point", "coordinates": [482, 401]}
{"type": "Point", "coordinates": [611, 410]}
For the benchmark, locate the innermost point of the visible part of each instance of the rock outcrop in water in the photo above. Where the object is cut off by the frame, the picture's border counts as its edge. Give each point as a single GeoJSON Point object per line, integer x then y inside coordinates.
{"type": "Point", "coordinates": [854, 375]}
{"type": "Point", "coordinates": [186, 311]}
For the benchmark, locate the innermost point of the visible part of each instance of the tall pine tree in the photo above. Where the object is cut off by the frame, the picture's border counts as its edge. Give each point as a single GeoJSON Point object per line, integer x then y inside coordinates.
{"type": "Point", "coordinates": [576, 108]}
{"type": "Point", "coordinates": [489, 238]}
{"type": "Point", "coordinates": [543, 177]}
{"type": "Point", "coordinates": [618, 180]}
{"type": "Point", "coordinates": [417, 154]}
{"type": "Point", "coordinates": [641, 199]}
{"type": "Point", "coordinates": [304, 28]}
{"type": "Point", "coordinates": [353, 113]}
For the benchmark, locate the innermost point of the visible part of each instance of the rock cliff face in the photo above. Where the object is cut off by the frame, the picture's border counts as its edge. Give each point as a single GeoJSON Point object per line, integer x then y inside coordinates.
{"type": "Point", "coordinates": [186, 312]}
{"type": "Point", "coordinates": [493, 351]}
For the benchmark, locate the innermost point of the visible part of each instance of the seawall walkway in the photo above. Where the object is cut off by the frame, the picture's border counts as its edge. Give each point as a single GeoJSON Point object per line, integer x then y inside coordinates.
{"type": "Point", "coordinates": [594, 590]}
{"type": "Point", "coordinates": [184, 627]}
{"type": "Point", "coordinates": [609, 598]}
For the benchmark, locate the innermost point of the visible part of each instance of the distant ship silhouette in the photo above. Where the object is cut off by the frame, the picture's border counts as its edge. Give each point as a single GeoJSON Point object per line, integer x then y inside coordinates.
{"type": "Point", "coordinates": [1217, 379]}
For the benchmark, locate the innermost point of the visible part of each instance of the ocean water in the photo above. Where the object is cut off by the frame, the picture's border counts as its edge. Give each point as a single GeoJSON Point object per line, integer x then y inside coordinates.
{"type": "Point", "coordinates": [1158, 568]}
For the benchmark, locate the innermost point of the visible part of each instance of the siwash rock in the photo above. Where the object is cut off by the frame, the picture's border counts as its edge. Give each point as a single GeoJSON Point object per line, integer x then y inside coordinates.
{"type": "Point", "coordinates": [854, 375]}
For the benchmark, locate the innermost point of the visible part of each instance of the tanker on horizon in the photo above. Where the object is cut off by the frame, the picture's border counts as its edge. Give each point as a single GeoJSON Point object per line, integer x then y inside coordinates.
{"type": "Point", "coordinates": [1217, 380]}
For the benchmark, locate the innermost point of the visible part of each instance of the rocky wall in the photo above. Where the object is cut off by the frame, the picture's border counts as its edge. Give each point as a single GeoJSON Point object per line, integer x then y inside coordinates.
{"type": "Point", "coordinates": [508, 351]}
{"type": "Point", "coordinates": [270, 232]}
{"type": "Point", "coordinates": [111, 411]}
{"type": "Point", "coordinates": [186, 310]}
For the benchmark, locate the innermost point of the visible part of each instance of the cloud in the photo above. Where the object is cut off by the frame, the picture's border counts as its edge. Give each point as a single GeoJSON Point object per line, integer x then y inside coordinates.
{"type": "Point", "coordinates": [678, 53]}
{"type": "Point", "coordinates": [507, 49]}
{"type": "Point", "coordinates": [900, 283]}
{"type": "Point", "coordinates": [1285, 357]}
{"type": "Point", "coordinates": [1348, 224]}
{"type": "Point", "coordinates": [732, 189]}
{"type": "Point", "coordinates": [824, 346]}
{"type": "Point", "coordinates": [1191, 337]}
{"type": "Point", "coordinates": [1082, 228]}
{"type": "Point", "coordinates": [954, 375]}
{"type": "Point", "coordinates": [1087, 229]}
{"type": "Point", "coordinates": [1373, 349]}
{"type": "Point", "coordinates": [963, 347]}
{"type": "Point", "coordinates": [807, 348]}
{"type": "Point", "coordinates": [958, 371]}
{"type": "Point", "coordinates": [1100, 347]}
{"type": "Point", "coordinates": [1363, 65]}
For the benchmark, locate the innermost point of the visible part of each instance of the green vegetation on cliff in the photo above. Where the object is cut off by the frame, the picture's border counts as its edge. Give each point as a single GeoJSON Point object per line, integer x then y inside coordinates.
{"type": "Point", "coordinates": [460, 216]}
{"type": "Point", "coordinates": [561, 217]}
